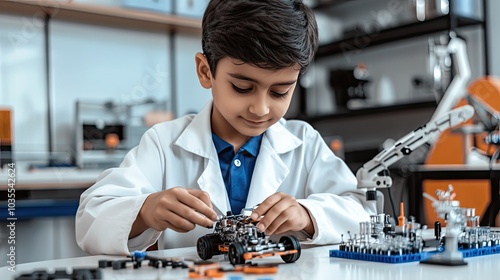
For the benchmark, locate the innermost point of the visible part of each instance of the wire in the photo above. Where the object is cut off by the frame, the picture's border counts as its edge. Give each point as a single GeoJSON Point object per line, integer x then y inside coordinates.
{"type": "Point", "coordinates": [387, 172]}
{"type": "Point", "coordinates": [495, 155]}
{"type": "Point", "coordinates": [392, 202]}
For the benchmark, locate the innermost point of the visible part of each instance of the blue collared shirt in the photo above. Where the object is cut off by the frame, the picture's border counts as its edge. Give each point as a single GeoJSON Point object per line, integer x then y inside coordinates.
{"type": "Point", "coordinates": [237, 169]}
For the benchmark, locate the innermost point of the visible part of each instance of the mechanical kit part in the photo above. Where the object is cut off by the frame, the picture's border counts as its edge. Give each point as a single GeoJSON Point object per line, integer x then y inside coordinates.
{"type": "Point", "coordinates": [137, 257]}
{"type": "Point", "coordinates": [238, 237]}
{"type": "Point", "coordinates": [463, 238]}
{"type": "Point", "coordinates": [75, 274]}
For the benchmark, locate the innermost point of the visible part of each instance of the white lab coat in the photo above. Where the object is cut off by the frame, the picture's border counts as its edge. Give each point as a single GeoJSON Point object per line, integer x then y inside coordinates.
{"type": "Point", "coordinates": [293, 159]}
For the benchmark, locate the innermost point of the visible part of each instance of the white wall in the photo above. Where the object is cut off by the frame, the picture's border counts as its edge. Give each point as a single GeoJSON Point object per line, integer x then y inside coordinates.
{"type": "Point", "coordinates": [22, 83]}
{"type": "Point", "coordinates": [191, 96]}
{"type": "Point", "coordinates": [99, 64]}
{"type": "Point", "coordinates": [93, 64]}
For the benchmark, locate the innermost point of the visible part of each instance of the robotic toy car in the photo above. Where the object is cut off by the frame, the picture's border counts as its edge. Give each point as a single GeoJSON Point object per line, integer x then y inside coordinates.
{"type": "Point", "coordinates": [238, 237]}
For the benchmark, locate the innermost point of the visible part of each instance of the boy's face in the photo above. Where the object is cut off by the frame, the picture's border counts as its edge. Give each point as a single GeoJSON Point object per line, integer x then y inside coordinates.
{"type": "Point", "coordinates": [248, 99]}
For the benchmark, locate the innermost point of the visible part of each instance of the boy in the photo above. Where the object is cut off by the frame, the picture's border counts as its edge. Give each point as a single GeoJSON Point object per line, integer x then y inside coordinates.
{"type": "Point", "coordinates": [237, 152]}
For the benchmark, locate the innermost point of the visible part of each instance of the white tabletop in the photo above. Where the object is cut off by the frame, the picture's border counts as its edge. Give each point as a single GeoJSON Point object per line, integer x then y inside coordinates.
{"type": "Point", "coordinates": [314, 263]}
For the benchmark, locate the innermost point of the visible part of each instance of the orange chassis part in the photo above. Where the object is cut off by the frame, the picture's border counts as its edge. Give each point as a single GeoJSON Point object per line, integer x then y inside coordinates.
{"type": "Point", "coordinates": [206, 270]}
{"type": "Point", "coordinates": [223, 248]}
{"type": "Point", "coordinates": [270, 269]}
{"type": "Point", "coordinates": [214, 270]}
{"type": "Point", "coordinates": [257, 255]}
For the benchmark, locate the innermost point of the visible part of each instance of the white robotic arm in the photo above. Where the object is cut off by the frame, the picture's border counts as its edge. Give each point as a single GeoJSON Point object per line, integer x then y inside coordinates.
{"type": "Point", "coordinates": [456, 90]}
{"type": "Point", "coordinates": [371, 175]}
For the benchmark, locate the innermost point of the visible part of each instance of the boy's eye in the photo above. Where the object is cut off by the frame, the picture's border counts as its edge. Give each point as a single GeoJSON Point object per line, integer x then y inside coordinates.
{"type": "Point", "coordinates": [247, 90]}
{"type": "Point", "coordinates": [241, 90]}
{"type": "Point", "coordinates": [280, 94]}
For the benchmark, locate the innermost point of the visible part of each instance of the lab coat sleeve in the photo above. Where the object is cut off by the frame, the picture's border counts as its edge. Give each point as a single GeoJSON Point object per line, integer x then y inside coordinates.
{"type": "Point", "coordinates": [108, 209]}
{"type": "Point", "coordinates": [331, 195]}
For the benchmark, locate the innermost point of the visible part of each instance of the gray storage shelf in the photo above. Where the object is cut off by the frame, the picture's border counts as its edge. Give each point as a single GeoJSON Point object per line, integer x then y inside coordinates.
{"type": "Point", "coordinates": [394, 34]}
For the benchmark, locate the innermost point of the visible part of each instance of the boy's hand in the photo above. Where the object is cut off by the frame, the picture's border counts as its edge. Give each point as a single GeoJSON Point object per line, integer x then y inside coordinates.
{"type": "Point", "coordinates": [177, 208]}
{"type": "Point", "coordinates": [282, 213]}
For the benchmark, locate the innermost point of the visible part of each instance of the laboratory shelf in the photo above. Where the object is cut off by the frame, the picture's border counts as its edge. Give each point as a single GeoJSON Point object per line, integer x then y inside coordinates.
{"type": "Point", "coordinates": [403, 106]}
{"type": "Point", "coordinates": [102, 15]}
{"type": "Point", "coordinates": [393, 34]}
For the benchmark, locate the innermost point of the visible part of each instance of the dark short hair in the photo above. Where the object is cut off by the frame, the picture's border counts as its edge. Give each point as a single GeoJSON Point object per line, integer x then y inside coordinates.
{"type": "Point", "coordinates": [270, 34]}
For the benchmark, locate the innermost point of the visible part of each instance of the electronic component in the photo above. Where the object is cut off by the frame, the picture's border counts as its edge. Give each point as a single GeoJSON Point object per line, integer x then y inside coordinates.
{"type": "Point", "coordinates": [464, 238]}
{"type": "Point", "coordinates": [137, 257]}
{"type": "Point", "coordinates": [196, 268]}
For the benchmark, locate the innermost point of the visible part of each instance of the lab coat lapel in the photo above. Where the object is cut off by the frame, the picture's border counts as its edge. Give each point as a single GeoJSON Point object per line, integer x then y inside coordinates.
{"type": "Point", "coordinates": [211, 182]}
{"type": "Point", "coordinates": [270, 171]}
{"type": "Point", "coordinates": [197, 139]}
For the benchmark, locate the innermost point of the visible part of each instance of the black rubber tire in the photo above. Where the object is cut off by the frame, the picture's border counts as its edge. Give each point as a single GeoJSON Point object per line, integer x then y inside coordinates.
{"type": "Point", "coordinates": [291, 243]}
{"type": "Point", "coordinates": [207, 246]}
{"type": "Point", "coordinates": [236, 251]}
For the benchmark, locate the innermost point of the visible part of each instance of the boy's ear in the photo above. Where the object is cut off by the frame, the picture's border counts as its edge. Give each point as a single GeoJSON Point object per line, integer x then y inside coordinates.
{"type": "Point", "coordinates": [203, 71]}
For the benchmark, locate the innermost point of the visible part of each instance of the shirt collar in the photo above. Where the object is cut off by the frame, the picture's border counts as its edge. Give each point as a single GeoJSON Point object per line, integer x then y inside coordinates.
{"type": "Point", "coordinates": [196, 136]}
{"type": "Point", "coordinates": [251, 146]}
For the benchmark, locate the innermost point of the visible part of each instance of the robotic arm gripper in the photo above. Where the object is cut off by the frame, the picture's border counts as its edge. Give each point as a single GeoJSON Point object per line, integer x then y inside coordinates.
{"type": "Point", "coordinates": [372, 174]}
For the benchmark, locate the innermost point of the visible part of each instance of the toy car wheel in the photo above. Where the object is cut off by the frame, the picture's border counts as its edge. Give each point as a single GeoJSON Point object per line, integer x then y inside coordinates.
{"type": "Point", "coordinates": [206, 246]}
{"type": "Point", "coordinates": [236, 251]}
{"type": "Point", "coordinates": [291, 243]}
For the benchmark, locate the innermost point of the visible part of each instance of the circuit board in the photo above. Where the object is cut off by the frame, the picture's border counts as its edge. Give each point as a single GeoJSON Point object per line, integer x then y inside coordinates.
{"type": "Point", "coordinates": [410, 257]}
{"type": "Point", "coordinates": [380, 240]}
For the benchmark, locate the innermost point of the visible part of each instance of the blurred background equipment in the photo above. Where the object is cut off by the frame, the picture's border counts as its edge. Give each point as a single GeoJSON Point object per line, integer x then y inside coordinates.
{"type": "Point", "coordinates": [429, 9]}
{"type": "Point", "coordinates": [484, 96]}
{"type": "Point", "coordinates": [471, 151]}
{"type": "Point", "coordinates": [106, 131]}
{"type": "Point", "coordinates": [6, 137]}
{"type": "Point", "coordinates": [349, 84]}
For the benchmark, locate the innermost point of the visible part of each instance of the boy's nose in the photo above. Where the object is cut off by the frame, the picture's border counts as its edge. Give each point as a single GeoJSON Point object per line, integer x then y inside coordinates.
{"type": "Point", "coordinates": [259, 106]}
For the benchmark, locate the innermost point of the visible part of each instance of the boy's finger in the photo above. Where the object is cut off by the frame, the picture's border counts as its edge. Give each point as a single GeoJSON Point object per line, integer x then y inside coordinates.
{"type": "Point", "coordinates": [203, 196]}
{"type": "Point", "coordinates": [273, 216]}
{"type": "Point", "coordinates": [198, 201]}
{"type": "Point", "coordinates": [267, 204]}
{"type": "Point", "coordinates": [192, 215]}
{"type": "Point", "coordinates": [259, 212]}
